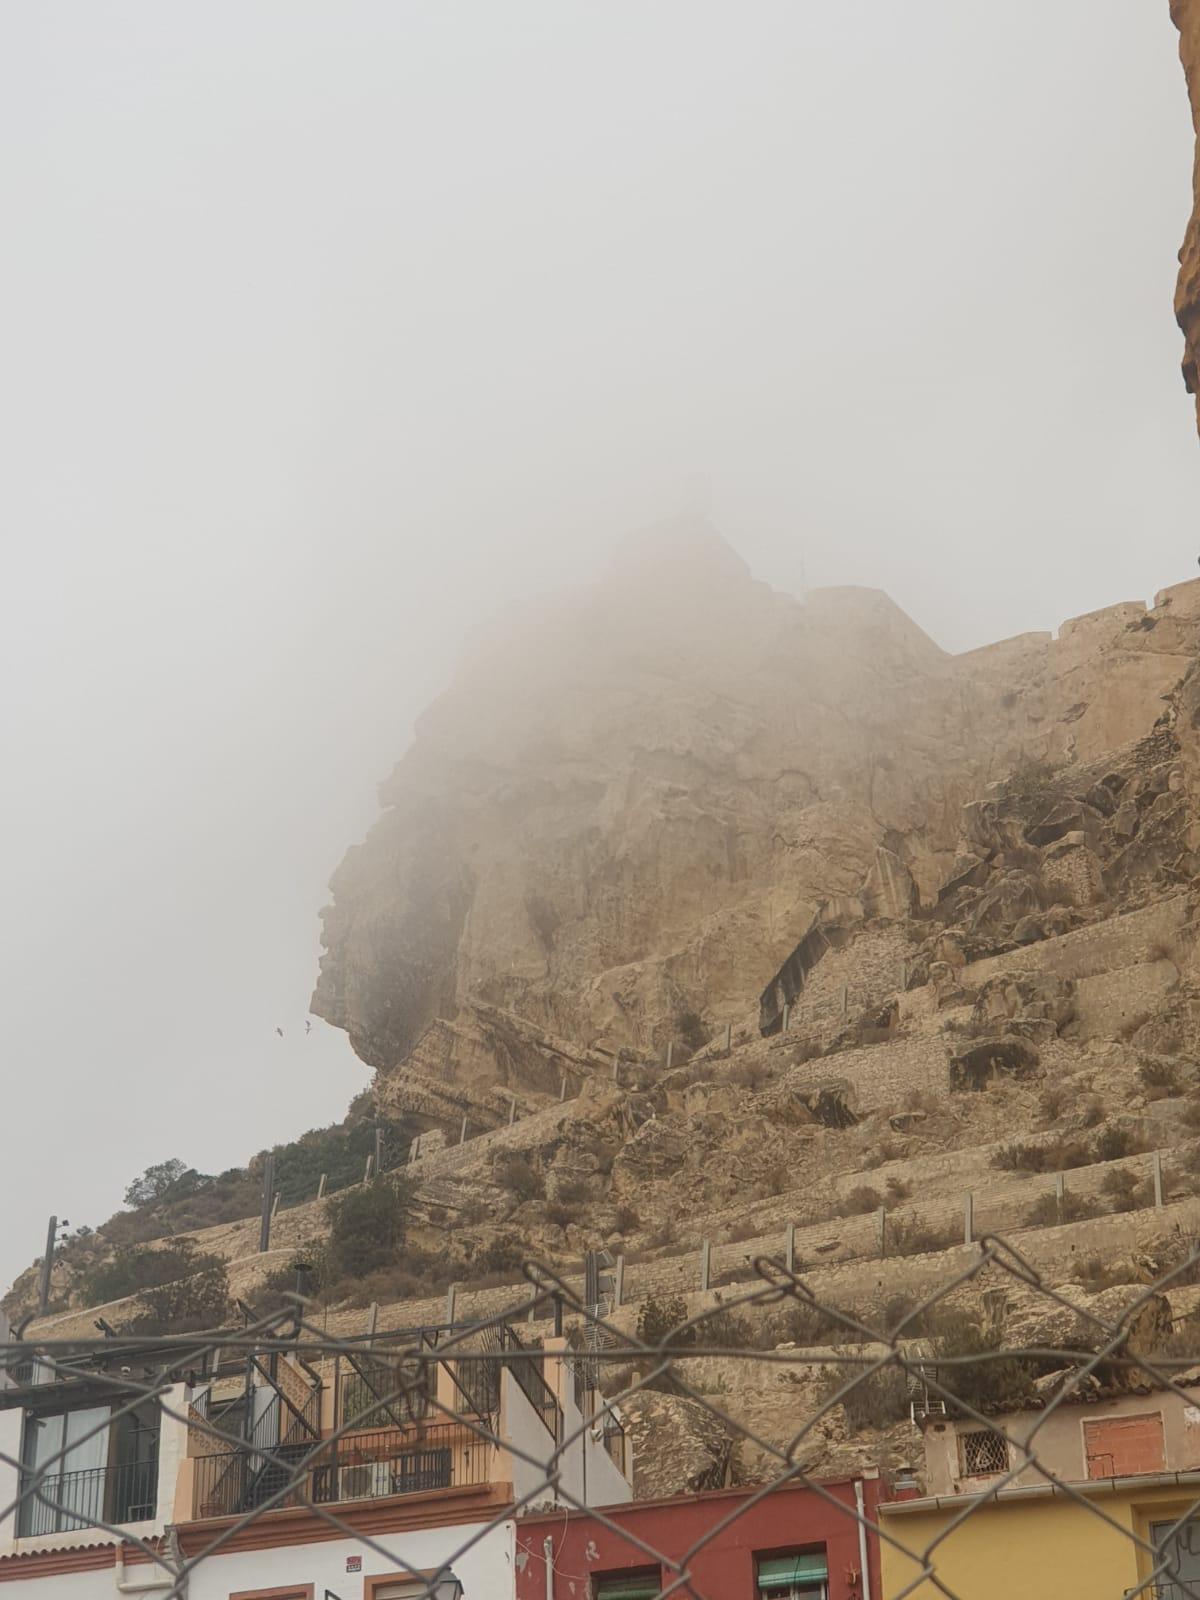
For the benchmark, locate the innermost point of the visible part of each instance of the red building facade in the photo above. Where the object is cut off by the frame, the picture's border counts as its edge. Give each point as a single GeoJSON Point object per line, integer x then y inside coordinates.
{"type": "Point", "coordinates": [794, 1544]}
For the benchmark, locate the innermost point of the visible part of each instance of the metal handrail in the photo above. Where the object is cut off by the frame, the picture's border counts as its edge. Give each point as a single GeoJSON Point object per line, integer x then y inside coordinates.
{"type": "Point", "coordinates": [63, 1501]}
{"type": "Point", "coordinates": [358, 1466]}
{"type": "Point", "coordinates": [526, 1367]}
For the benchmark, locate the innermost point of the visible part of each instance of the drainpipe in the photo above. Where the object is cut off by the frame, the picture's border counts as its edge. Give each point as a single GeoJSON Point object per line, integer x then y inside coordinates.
{"type": "Point", "coordinates": [860, 1506]}
{"type": "Point", "coordinates": [548, 1558]}
{"type": "Point", "coordinates": [125, 1586]}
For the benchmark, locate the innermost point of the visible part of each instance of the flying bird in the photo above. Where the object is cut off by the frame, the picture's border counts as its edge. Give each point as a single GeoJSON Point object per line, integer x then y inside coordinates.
{"type": "Point", "coordinates": [279, 1031]}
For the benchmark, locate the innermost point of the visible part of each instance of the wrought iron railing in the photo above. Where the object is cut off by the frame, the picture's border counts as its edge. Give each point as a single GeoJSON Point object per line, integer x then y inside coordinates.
{"type": "Point", "coordinates": [614, 1442]}
{"type": "Point", "coordinates": [358, 1466]}
{"type": "Point", "coordinates": [526, 1368]}
{"type": "Point", "coordinates": [66, 1500]}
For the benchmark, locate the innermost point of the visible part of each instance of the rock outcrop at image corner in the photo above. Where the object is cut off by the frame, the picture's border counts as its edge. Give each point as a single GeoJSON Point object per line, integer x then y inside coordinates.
{"type": "Point", "coordinates": [1186, 14]}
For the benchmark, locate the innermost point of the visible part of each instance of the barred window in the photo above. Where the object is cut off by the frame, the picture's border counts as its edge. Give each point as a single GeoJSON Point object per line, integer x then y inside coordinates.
{"type": "Point", "coordinates": [983, 1453]}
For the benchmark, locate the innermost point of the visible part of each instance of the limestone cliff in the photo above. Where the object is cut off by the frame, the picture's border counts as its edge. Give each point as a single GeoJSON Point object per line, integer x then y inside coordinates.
{"type": "Point", "coordinates": [628, 810]}
{"type": "Point", "coordinates": [1186, 14]}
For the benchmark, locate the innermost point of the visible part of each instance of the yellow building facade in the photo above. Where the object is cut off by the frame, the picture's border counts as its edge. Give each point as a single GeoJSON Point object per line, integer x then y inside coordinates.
{"type": "Point", "coordinates": [1040, 1544]}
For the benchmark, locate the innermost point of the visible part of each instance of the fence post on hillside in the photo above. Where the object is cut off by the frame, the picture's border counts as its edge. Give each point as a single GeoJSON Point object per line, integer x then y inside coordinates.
{"type": "Point", "coordinates": [533, 1300]}
{"type": "Point", "coordinates": [321, 1186]}
{"type": "Point", "coordinates": [451, 1298]}
{"type": "Point", "coordinates": [845, 1000]}
{"type": "Point", "coordinates": [1158, 1181]}
{"type": "Point", "coordinates": [705, 1263]}
{"type": "Point", "coordinates": [367, 1169]}
{"type": "Point", "coordinates": [275, 1204]}
{"type": "Point", "coordinates": [48, 1266]}
{"type": "Point", "coordinates": [670, 1053]}
{"type": "Point", "coordinates": [372, 1321]}
{"type": "Point", "coordinates": [378, 1150]}
{"type": "Point", "coordinates": [512, 1109]}
{"type": "Point", "coordinates": [789, 1247]}
{"type": "Point", "coordinates": [264, 1231]}
{"type": "Point", "coordinates": [462, 1137]}
{"type": "Point", "coordinates": [968, 1218]}
{"type": "Point", "coordinates": [562, 1088]}
{"type": "Point", "coordinates": [903, 976]}
{"type": "Point", "coordinates": [728, 1038]}
{"type": "Point", "coordinates": [786, 1019]}
{"type": "Point", "coordinates": [881, 1222]}
{"type": "Point", "coordinates": [1060, 1197]}
{"type": "Point", "coordinates": [616, 1066]}
{"type": "Point", "coordinates": [619, 1283]}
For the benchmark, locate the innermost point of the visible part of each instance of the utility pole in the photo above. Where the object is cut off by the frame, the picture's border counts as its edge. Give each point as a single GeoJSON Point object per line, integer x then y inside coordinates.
{"type": "Point", "coordinates": [47, 1266]}
{"type": "Point", "coordinates": [264, 1232]}
{"type": "Point", "coordinates": [378, 1150]}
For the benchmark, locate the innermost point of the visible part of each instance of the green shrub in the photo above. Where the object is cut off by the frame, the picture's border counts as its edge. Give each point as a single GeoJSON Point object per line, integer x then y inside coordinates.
{"type": "Point", "coordinates": [859, 1201]}
{"type": "Point", "coordinates": [911, 1236]}
{"type": "Point", "coordinates": [519, 1176]}
{"type": "Point", "coordinates": [1059, 1156]}
{"type": "Point", "coordinates": [1112, 1143]}
{"type": "Point", "coordinates": [366, 1228]}
{"type": "Point", "coordinates": [1160, 1078]}
{"type": "Point", "coordinates": [1046, 1213]}
{"type": "Point", "coordinates": [188, 1305]}
{"type": "Point", "coordinates": [658, 1319]}
{"type": "Point", "coordinates": [878, 1399]}
{"type": "Point", "coordinates": [504, 1253]}
{"type": "Point", "coordinates": [133, 1270]}
{"type": "Point", "coordinates": [1125, 1191]}
{"type": "Point", "coordinates": [980, 1376]}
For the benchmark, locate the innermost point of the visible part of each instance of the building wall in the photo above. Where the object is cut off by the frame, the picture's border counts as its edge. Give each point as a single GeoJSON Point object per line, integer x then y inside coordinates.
{"type": "Point", "coordinates": [723, 1568]}
{"type": "Point", "coordinates": [485, 1568]}
{"type": "Point", "coordinates": [1048, 1548]}
{"type": "Point", "coordinates": [1059, 1440]}
{"type": "Point", "coordinates": [172, 1448]}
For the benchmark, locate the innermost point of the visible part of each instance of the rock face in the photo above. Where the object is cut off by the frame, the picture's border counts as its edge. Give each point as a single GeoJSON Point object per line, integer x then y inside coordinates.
{"type": "Point", "coordinates": [1186, 14]}
{"type": "Point", "coordinates": [636, 801]}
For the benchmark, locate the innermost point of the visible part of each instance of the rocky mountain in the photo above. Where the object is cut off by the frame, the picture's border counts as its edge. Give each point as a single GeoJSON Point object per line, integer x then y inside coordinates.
{"type": "Point", "coordinates": [637, 801]}
{"type": "Point", "coordinates": [703, 924]}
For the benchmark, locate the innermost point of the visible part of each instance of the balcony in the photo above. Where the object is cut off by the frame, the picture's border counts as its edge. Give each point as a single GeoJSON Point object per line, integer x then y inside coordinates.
{"type": "Point", "coordinates": [359, 1466]}
{"type": "Point", "coordinates": [67, 1500]}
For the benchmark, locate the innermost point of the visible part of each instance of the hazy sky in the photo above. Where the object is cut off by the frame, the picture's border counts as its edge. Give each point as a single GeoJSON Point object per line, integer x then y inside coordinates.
{"type": "Point", "coordinates": [329, 327]}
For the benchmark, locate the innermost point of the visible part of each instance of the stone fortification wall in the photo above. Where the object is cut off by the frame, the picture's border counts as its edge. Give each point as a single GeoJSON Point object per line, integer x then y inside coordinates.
{"type": "Point", "coordinates": [866, 971]}
{"type": "Point", "coordinates": [880, 1074]}
{"type": "Point", "coordinates": [1102, 947]}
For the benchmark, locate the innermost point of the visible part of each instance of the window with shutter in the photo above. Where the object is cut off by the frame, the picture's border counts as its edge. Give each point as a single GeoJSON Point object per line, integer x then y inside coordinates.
{"type": "Point", "coordinates": [799, 1575]}
{"type": "Point", "coordinates": [642, 1585]}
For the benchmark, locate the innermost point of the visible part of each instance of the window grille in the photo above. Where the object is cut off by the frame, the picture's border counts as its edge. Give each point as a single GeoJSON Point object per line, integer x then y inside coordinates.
{"type": "Point", "coordinates": [983, 1453]}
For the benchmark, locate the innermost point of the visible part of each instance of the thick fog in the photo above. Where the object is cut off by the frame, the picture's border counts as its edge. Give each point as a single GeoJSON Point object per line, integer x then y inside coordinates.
{"type": "Point", "coordinates": [330, 328]}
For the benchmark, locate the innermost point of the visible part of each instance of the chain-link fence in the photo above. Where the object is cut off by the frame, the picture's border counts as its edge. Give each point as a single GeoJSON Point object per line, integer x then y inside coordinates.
{"type": "Point", "coordinates": [1048, 1432]}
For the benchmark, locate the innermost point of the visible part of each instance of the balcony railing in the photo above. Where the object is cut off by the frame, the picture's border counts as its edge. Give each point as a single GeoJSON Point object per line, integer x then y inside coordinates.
{"type": "Point", "coordinates": [526, 1368]}
{"type": "Point", "coordinates": [68, 1500]}
{"type": "Point", "coordinates": [359, 1466]}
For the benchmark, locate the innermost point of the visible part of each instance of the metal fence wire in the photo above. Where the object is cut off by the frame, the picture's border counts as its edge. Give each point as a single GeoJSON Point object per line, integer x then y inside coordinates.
{"type": "Point", "coordinates": [943, 1368]}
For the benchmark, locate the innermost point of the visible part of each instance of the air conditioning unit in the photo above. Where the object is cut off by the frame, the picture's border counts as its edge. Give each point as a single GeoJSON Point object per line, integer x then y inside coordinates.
{"type": "Point", "coordinates": [367, 1482]}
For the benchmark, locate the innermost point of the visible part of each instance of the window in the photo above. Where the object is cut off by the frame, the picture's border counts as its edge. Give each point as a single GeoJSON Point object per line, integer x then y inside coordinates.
{"type": "Point", "coordinates": [983, 1453]}
{"type": "Point", "coordinates": [1183, 1551]}
{"type": "Point", "coordinates": [77, 1470]}
{"type": "Point", "coordinates": [295, 1591]}
{"type": "Point", "coordinates": [1121, 1447]}
{"type": "Point", "coordinates": [799, 1575]}
{"type": "Point", "coordinates": [644, 1585]}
